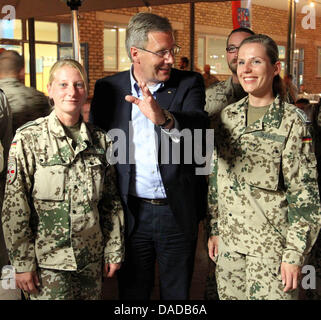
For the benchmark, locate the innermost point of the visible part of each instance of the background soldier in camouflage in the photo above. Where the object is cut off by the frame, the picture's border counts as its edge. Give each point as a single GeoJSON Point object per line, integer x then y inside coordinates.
{"type": "Point", "coordinates": [218, 96]}
{"type": "Point", "coordinates": [5, 141]}
{"type": "Point", "coordinates": [26, 103]}
{"type": "Point", "coordinates": [263, 195]}
{"type": "Point", "coordinates": [62, 214]}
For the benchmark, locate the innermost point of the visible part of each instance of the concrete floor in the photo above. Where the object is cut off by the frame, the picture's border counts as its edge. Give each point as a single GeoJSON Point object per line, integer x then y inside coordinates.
{"type": "Point", "coordinates": [110, 290]}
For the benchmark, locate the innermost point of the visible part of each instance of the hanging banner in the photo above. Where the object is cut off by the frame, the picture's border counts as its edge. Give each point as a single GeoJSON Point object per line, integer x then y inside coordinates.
{"type": "Point", "coordinates": [241, 14]}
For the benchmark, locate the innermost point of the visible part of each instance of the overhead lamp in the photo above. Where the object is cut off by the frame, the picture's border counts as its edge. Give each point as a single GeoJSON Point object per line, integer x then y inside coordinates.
{"type": "Point", "coordinates": [73, 4]}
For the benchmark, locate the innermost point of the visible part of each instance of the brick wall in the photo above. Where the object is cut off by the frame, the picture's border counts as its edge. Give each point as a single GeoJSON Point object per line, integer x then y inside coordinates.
{"type": "Point", "coordinates": [270, 21]}
{"type": "Point", "coordinates": [91, 31]}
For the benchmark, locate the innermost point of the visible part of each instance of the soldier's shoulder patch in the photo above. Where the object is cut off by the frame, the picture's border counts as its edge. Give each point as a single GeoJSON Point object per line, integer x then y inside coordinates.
{"type": "Point", "coordinates": [13, 146]}
{"type": "Point", "coordinates": [29, 124]}
{"type": "Point", "coordinates": [302, 116]}
{"type": "Point", "coordinates": [214, 87]}
{"type": "Point", "coordinates": [12, 170]}
{"type": "Point", "coordinates": [307, 139]}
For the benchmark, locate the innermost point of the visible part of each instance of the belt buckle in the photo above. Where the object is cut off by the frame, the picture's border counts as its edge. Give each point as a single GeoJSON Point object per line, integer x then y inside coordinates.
{"type": "Point", "coordinates": [155, 202]}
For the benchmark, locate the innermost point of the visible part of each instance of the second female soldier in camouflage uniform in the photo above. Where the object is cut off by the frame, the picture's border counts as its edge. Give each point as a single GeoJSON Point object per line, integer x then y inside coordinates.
{"type": "Point", "coordinates": [263, 197]}
{"type": "Point", "coordinates": [62, 216]}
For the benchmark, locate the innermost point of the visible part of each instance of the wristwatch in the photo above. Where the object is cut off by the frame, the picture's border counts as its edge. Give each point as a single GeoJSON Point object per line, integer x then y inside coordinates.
{"type": "Point", "coordinates": [168, 118]}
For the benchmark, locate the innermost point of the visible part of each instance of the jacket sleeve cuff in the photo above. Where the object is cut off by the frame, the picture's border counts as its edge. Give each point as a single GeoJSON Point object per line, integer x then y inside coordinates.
{"type": "Point", "coordinates": [23, 266]}
{"type": "Point", "coordinates": [213, 230]}
{"type": "Point", "coordinates": [114, 257]}
{"type": "Point", "coordinates": [292, 257]}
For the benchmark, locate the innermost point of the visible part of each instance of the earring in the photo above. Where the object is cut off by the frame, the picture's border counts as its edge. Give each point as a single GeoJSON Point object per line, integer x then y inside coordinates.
{"type": "Point", "coordinates": [51, 102]}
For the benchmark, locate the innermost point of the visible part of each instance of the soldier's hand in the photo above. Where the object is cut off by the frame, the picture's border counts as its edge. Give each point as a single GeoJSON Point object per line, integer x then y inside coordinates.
{"type": "Point", "coordinates": [28, 281]}
{"type": "Point", "coordinates": [111, 268]}
{"type": "Point", "coordinates": [212, 245]}
{"type": "Point", "coordinates": [290, 274]}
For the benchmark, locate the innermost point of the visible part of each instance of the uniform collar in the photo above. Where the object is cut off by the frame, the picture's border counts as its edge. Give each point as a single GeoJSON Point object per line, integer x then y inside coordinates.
{"type": "Point", "coordinates": [58, 131]}
{"type": "Point", "coordinates": [272, 118]}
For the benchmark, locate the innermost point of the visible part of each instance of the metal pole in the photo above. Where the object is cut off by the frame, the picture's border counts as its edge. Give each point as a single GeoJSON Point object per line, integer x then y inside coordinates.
{"type": "Point", "coordinates": [192, 34]}
{"type": "Point", "coordinates": [75, 36]}
{"type": "Point", "coordinates": [32, 52]}
{"type": "Point", "coordinates": [74, 5]}
{"type": "Point", "coordinates": [291, 37]}
{"type": "Point", "coordinates": [288, 48]}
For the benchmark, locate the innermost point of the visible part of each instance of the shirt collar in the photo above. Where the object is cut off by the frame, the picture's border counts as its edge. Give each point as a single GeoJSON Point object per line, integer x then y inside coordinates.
{"type": "Point", "coordinates": [135, 88]}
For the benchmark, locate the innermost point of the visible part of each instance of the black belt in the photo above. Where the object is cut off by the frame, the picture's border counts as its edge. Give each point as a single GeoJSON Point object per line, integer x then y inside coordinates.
{"type": "Point", "coordinates": [156, 202]}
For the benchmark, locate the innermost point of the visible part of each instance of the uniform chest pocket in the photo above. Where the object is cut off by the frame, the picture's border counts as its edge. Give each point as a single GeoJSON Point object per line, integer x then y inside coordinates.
{"type": "Point", "coordinates": [260, 165]}
{"type": "Point", "coordinates": [49, 182]}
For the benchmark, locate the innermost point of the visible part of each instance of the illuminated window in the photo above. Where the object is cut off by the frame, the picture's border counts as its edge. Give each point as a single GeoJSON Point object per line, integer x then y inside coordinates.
{"type": "Point", "coordinates": [10, 29]}
{"type": "Point", "coordinates": [65, 32]}
{"type": "Point", "coordinates": [212, 51]}
{"type": "Point", "coordinates": [200, 52]}
{"type": "Point", "coordinates": [115, 54]}
{"type": "Point", "coordinates": [46, 31]}
{"type": "Point", "coordinates": [282, 55]}
{"type": "Point", "coordinates": [48, 41]}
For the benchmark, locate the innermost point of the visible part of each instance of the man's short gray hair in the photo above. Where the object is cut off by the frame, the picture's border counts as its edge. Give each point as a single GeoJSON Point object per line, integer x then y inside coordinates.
{"type": "Point", "coordinates": [140, 25]}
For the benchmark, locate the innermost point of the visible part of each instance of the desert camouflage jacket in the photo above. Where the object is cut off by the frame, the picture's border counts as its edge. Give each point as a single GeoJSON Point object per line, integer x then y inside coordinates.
{"type": "Point", "coordinates": [263, 192]}
{"type": "Point", "coordinates": [222, 94]}
{"type": "Point", "coordinates": [61, 209]}
{"type": "Point", "coordinates": [5, 130]}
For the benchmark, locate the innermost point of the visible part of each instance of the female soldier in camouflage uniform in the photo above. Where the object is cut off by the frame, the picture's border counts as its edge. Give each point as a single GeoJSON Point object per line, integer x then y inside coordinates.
{"type": "Point", "coordinates": [263, 195]}
{"type": "Point", "coordinates": [61, 214]}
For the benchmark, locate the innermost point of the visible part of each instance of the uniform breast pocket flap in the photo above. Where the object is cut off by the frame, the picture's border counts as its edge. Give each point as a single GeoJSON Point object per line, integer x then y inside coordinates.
{"type": "Point", "coordinates": [261, 169]}
{"type": "Point", "coordinates": [49, 183]}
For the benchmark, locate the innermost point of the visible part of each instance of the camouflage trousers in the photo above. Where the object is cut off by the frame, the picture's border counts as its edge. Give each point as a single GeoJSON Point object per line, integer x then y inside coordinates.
{"type": "Point", "coordinates": [70, 285]}
{"type": "Point", "coordinates": [243, 277]}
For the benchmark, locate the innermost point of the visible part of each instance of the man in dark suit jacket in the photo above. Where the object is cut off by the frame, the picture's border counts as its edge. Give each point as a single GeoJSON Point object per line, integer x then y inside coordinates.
{"type": "Point", "coordinates": [163, 200]}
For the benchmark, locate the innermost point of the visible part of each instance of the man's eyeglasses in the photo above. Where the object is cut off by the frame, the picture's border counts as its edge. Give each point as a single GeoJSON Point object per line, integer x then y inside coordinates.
{"type": "Point", "coordinates": [164, 53]}
{"type": "Point", "coordinates": [231, 49]}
